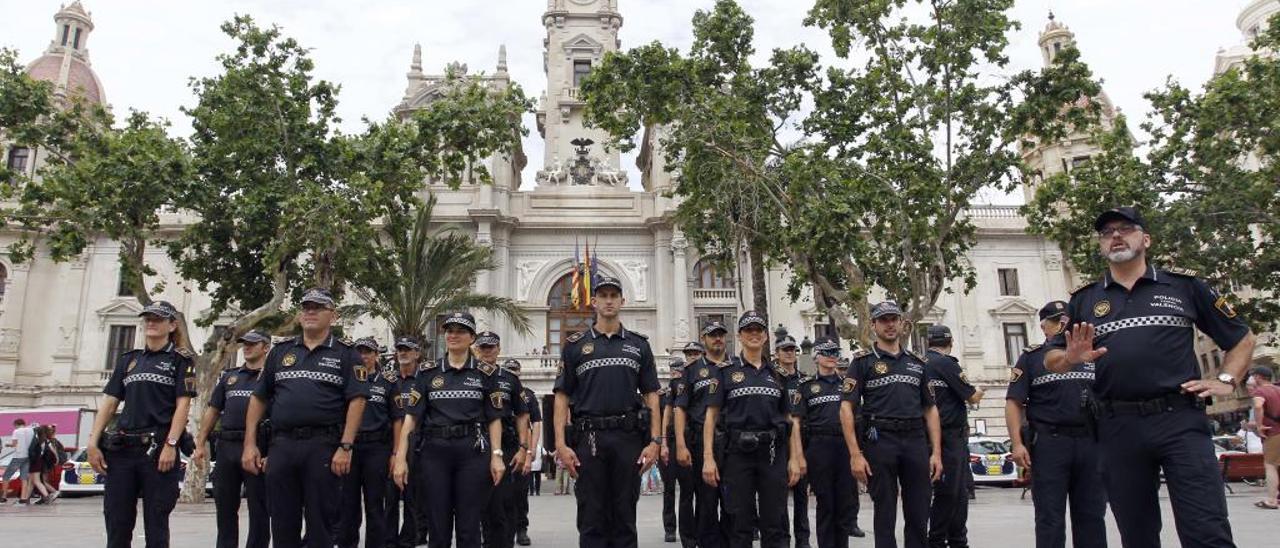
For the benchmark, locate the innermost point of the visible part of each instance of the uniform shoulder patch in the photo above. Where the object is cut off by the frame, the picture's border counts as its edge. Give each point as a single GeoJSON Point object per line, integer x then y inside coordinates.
{"type": "Point", "coordinates": [576, 336]}
{"type": "Point", "coordinates": [390, 376]}
{"type": "Point", "coordinates": [861, 354]}
{"type": "Point", "coordinates": [1082, 286]}
{"type": "Point", "coordinates": [913, 354]}
{"type": "Point", "coordinates": [1032, 348]}
{"type": "Point", "coordinates": [347, 341]}
{"type": "Point", "coordinates": [1182, 272]}
{"type": "Point", "coordinates": [184, 352]}
{"type": "Point", "coordinates": [486, 368]}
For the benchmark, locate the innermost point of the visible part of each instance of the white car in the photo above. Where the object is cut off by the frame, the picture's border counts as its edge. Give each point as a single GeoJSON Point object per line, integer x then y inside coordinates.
{"type": "Point", "coordinates": [991, 461]}
{"type": "Point", "coordinates": [78, 478]}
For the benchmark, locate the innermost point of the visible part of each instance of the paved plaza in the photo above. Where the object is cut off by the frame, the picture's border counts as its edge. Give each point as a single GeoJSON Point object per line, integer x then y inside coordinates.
{"type": "Point", "coordinates": [997, 518]}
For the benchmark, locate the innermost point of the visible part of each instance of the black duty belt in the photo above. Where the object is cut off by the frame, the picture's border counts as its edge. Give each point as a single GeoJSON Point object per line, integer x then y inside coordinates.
{"type": "Point", "coordinates": [626, 421]}
{"type": "Point", "coordinates": [231, 435]}
{"type": "Point", "coordinates": [306, 432]}
{"type": "Point", "coordinates": [1069, 430]}
{"type": "Point", "coordinates": [1154, 406]}
{"type": "Point", "coordinates": [822, 431]}
{"type": "Point", "coordinates": [128, 440]}
{"type": "Point", "coordinates": [896, 425]}
{"type": "Point", "coordinates": [452, 431]}
{"type": "Point", "coordinates": [375, 436]}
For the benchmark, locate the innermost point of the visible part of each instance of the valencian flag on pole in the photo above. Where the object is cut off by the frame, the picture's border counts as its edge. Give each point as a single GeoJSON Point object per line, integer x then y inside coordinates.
{"type": "Point", "coordinates": [595, 264]}
{"type": "Point", "coordinates": [574, 292]}
{"type": "Point", "coordinates": [590, 278]}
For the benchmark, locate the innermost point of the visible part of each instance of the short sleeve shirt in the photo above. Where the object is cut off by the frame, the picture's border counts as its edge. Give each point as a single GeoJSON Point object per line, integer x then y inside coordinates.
{"type": "Point", "coordinates": [1052, 398]}
{"type": "Point", "coordinates": [310, 387]}
{"type": "Point", "coordinates": [950, 388]}
{"type": "Point", "coordinates": [150, 383]}
{"type": "Point", "coordinates": [753, 398]}
{"type": "Point", "coordinates": [602, 374]}
{"type": "Point", "coordinates": [694, 389]}
{"type": "Point", "coordinates": [1148, 331]}
{"type": "Point", "coordinates": [448, 396]}
{"type": "Point", "coordinates": [381, 408]}
{"type": "Point", "coordinates": [530, 400]}
{"type": "Point", "coordinates": [1270, 395]}
{"type": "Point", "coordinates": [231, 396]}
{"type": "Point", "coordinates": [509, 387]}
{"type": "Point", "coordinates": [817, 400]}
{"type": "Point", "coordinates": [891, 386]}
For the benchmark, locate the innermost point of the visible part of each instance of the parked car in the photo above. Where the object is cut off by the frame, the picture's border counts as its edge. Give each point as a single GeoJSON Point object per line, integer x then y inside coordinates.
{"type": "Point", "coordinates": [51, 477]}
{"type": "Point", "coordinates": [78, 478]}
{"type": "Point", "coordinates": [991, 461]}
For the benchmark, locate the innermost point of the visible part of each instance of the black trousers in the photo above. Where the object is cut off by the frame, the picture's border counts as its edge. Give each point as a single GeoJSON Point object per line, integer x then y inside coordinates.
{"type": "Point", "coordinates": [833, 487]}
{"type": "Point", "coordinates": [608, 487]}
{"type": "Point", "coordinates": [300, 483]}
{"type": "Point", "coordinates": [228, 479]}
{"type": "Point", "coordinates": [677, 501]}
{"type": "Point", "coordinates": [501, 515]}
{"type": "Point", "coordinates": [710, 524]}
{"type": "Point", "coordinates": [1135, 448]}
{"type": "Point", "coordinates": [1062, 468]}
{"type": "Point", "coordinates": [755, 493]}
{"type": "Point", "coordinates": [412, 500]}
{"type": "Point", "coordinates": [800, 509]}
{"type": "Point", "coordinates": [132, 474]}
{"type": "Point", "coordinates": [457, 471]}
{"type": "Point", "coordinates": [949, 515]}
{"type": "Point", "coordinates": [522, 487]}
{"type": "Point", "coordinates": [899, 460]}
{"type": "Point", "coordinates": [367, 483]}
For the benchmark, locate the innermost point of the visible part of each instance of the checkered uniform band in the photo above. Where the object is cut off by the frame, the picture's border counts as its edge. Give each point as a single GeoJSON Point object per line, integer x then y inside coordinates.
{"type": "Point", "coordinates": [703, 384]}
{"type": "Point", "coordinates": [829, 398]}
{"type": "Point", "coordinates": [755, 391]}
{"type": "Point", "coordinates": [460, 321]}
{"type": "Point", "coordinates": [607, 362]}
{"type": "Point", "coordinates": [937, 383]}
{"type": "Point", "coordinates": [1068, 376]}
{"type": "Point", "coordinates": [1143, 321]}
{"type": "Point", "coordinates": [239, 393]}
{"type": "Point", "coordinates": [377, 398]}
{"type": "Point", "coordinates": [311, 375]}
{"type": "Point", "coordinates": [886, 381]}
{"type": "Point", "coordinates": [149, 377]}
{"type": "Point", "coordinates": [455, 395]}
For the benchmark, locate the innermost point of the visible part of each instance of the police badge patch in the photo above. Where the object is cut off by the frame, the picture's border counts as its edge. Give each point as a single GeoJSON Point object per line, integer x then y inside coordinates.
{"type": "Point", "coordinates": [704, 373]}
{"type": "Point", "coordinates": [132, 364]}
{"type": "Point", "coordinates": [738, 376]}
{"type": "Point", "coordinates": [231, 379]}
{"type": "Point", "coordinates": [437, 382]}
{"type": "Point", "coordinates": [1015, 374]}
{"type": "Point", "coordinates": [289, 360]}
{"type": "Point", "coordinates": [414, 396]}
{"type": "Point", "coordinates": [795, 398]}
{"type": "Point", "coordinates": [680, 389]}
{"type": "Point", "coordinates": [848, 385]}
{"type": "Point", "coordinates": [496, 399]}
{"type": "Point", "coordinates": [711, 388]}
{"type": "Point", "coordinates": [881, 368]}
{"type": "Point", "coordinates": [815, 388]}
{"type": "Point", "coordinates": [1225, 307]}
{"type": "Point", "coordinates": [588, 348]}
{"type": "Point", "coordinates": [1102, 308]}
{"type": "Point", "coordinates": [362, 374]}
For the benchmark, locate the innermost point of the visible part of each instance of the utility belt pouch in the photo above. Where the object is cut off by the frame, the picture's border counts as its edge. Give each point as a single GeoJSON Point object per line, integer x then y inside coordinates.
{"type": "Point", "coordinates": [264, 437]}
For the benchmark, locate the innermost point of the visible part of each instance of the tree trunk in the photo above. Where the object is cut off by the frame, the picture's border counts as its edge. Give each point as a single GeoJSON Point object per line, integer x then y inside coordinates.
{"type": "Point", "coordinates": [759, 286]}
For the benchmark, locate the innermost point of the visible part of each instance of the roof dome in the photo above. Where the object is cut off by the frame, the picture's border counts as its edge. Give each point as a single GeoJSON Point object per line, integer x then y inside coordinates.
{"type": "Point", "coordinates": [65, 62]}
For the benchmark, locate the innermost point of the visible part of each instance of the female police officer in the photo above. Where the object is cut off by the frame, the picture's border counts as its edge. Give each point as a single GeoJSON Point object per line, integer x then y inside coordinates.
{"type": "Point", "coordinates": [140, 456]}
{"type": "Point", "coordinates": [460, 411]}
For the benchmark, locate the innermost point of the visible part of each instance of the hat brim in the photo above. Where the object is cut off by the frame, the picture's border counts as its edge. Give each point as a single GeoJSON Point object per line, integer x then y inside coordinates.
{"type": "Point", "coordinates": [403, 346]}
{"type": "Point", "coordinates": [157, 314]}
{"type": "Point", "coordinates": [788, 346]}
{"type": "Point", "coordinates": [749, 323]}
{"type": "Point", "coordinates": [1108, 216]}
{"type": "Point", "coordinates": [252, 340]}
{"type": "Point", "coordinates": [714, 330]}
{"type": "Point", "coordinates": [327, 304]}
{"type": "Point", "coordinates": [460, 323]}
{"type": "Point", "coordinates": [1053, 316]}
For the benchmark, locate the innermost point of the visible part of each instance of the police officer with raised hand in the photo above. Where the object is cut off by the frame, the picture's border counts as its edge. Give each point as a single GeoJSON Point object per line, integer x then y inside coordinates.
{"type": "Point", "coordinates": [371, 460]}
{"type": "Point", "coordinates": [820, 400]}
{"type": "Point", "coordinates": [1057, 445]}
{"type": "Point", "coordinates": [460, 411]}
{"type": "Point", "coordinates": [1136, 324]}
{"type": "Point", "coordinates": [499, 520]}
{"type": "Point", "coordinates": [140, 457]}
{"type": "Point", "coordinates": [949, 515]}
{"type": "Point", "coordinates": [788, 355]}
{"type": "Point", "coordinates": [227, 407]}
{"type": "Point", "coordinates": [762, 457]}
{"type": "Point", "coordinates": [530, 401]}
{"type": "Point", "coordinates": [693, 390]}
{"type": "Point", "coordinates": [603, 369]}
{"type": "Point", "coordinates": [310, 388]}
{"type": "Point", "coordinates": [898, 442]}
{"type": "Point", "coordinates": [677, 480]}
{"type": "Point", "coordinates": [416, 525]}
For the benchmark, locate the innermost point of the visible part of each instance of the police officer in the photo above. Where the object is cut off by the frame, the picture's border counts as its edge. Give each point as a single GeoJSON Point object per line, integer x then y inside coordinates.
{"type": "Point", "coordinates": [227, 407]}
{"type": "Point", "coordinates": [676, 479]}
{"type": "Point", "coordinates": [898, 428]}
{"type": "Point", "coordinates": [693, 390]}
{"type": "Point", "coordinates": [788, 356]}
{"type": "Point", "coordinates": [1135, 324]}
{"type": "Point", "coordinates": [1056, 444]}
{"type": "Point", "coordinates": [602, 371]}
{"type": "Point", "coordinates": [819, 403]}
{"type": "Point", "coordinates": [851, 519]}
{"type": "Point", "coordinates": [531, 449]}
{"type": "Point", "coordinates": [416, 525]}
{"type": "Point", "coordinates": [949, 514]}
{"type": "Point", "coordinates": [500, 519]}
{"type": "Point", "coordinates": [762, 458]}
{"type": "Point", "coordinates": [371, 460]}
{"type": "Point", "coordinates": [316, 401]}
{"type": "Point", "coordinates": [460, 411]}
{"type": "Point", "coordinates": [140, 457]}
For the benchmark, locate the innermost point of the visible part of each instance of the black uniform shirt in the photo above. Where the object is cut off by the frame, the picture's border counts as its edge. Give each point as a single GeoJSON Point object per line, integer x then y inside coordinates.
{"type": "Point", "coordinates": [531, 405]}
{"type": "Point", "coordinates": [310, 387]}
{"type": "Point", "coordinates": [753, 398]}
{"type": "Point", "coordinates": [404, 385]}
{"type": "Point", "coordinates": [231, 396]}
{"type": "Point", "coordinates": [508, 384]}
{"type": "Point", "coordinates": [890, 386]}
{"type": "Point", "coordinates": [381, 408]}
{"type": "Point", "coordinates": [791, 382]}
{"type": "Point", "coordinates": [1054, 398]}
{"type": "Point", "coordinates": [950, 388]}
{"type": "Point", "coordinates": [694, 388]}
{"type": "Point", "coordinates": [150, 383]}
{"type": "Point", "coordinates": [1148, 331]}
{"type": "Point", "coordinates": [446, 396]}
{"type": "Point", "coordinates": [602, 374]}
{"type": "Point", "coordinates": [817, 400]}
{"type": "Point", "coordinates": [665, 397]}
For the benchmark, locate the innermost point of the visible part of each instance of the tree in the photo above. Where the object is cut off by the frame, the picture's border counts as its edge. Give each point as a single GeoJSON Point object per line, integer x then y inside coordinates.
{"type": "Point", "coordinates": [856, 178]}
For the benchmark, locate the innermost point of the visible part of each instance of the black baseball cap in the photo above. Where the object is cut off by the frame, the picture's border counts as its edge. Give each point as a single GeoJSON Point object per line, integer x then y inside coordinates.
{"type": "Point", "coordinates": [160, 309]}
{"type": "Point", "coordinates": [255, 336]}
{"type": "Point", "coordinates": [693, 347]}
{"type": "Point", "coordinates": [1264, 372]}
{"type": "Point", "coordinates": [826, 346]}
{"type": "Point", "coordinates": [463, 319]}
{"type": "Point", "coordinates": [409, 343]}
{"type": "Point", "coordinates": [938, 334]}
{"type": "Point", "coordinates": [713, 327]}
{"type": "Point", "coordinates": [1123, 213]}
{"type": "Point", "coordinates": [886, 308]}
{"type": "Point", "coordinates": [750, 318]}
{"type": "Point", "coordinates": [1053, 310]}
{"type": "Point", "coordinates": [319, 296]}
{"type": "Point", "coordinates": [786, 342]}
{"type": "Point", "coordinates": [607, 281]}
{"type": "Point", "coordinates": [512, 365]}
{"type": "Point", "coordinates": [368, 343]}
{"type": "Point", "coordinates": [488, 338]}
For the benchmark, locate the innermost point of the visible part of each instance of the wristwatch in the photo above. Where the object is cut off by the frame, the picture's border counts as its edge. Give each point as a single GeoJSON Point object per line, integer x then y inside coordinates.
{"type": "Point", "coordinates": [1227, 378]}
{"type": "Point", "coordinates": [657, 441]}
{"type": "Point", "coordinates": [497, 452]}
{"type": "Point", "coordinates": [171, 442]}
{"type": "Point", "coordinates": [346, 446]}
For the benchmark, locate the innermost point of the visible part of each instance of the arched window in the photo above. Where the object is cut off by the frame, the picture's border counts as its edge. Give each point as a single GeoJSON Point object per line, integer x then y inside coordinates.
{"type": "Point", "coordinates": [562, 319]}
{"type": "Point", "coordinates": [705, 276]}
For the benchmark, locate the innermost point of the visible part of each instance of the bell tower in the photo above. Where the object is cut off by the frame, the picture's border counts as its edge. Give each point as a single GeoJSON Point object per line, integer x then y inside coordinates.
{"type": "Point", "coordinates": [579, 34]}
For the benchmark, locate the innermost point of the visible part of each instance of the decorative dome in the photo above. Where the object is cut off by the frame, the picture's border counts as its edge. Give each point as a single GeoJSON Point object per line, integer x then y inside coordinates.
{"type": "Point", "coordinates": [65, 62]}
{"type": "Point", "coordinates": [1053, 24]}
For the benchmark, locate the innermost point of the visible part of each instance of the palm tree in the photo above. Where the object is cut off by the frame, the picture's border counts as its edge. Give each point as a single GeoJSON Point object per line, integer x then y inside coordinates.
{"type": "Point", "coordinates": [427, 273]}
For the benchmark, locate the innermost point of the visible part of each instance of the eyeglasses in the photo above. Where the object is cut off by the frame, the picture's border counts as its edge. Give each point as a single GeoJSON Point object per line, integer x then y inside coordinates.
{"type": "Point", "coordinates": [1122, 230]}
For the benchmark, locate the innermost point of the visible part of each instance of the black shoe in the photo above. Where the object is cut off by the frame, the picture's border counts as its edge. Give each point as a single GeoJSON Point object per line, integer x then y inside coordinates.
{"type": "Point", "coordinates": [804, 545]}
{"type": "Point", "coordinates": [857, 532]}
{"type": "Point", "coordinates": [670, 537]}
{"type": "Point", "coordinates": [522, 538]}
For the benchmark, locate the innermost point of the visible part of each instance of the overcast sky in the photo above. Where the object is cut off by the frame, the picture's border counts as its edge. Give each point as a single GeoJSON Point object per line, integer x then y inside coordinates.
{"type": "Point", "coordinates": [144, 51]}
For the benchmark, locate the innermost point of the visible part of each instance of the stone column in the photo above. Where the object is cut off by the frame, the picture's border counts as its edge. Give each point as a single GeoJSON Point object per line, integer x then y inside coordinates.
{"type": "Point", "coordinates": [659, 294]}
{"type": "Point", "coordinates": [680, 299]}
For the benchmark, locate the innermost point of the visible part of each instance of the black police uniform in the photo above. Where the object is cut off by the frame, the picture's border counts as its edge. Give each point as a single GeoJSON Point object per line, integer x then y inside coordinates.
{"type": "Point", "coordinates": [522, 480]}
{"type": "Point", "coordinates": [677, 481]}
{"type": "Point", "coordinates": [231, 396]}
{"type": "Point", "coordinates": [602, 375]}
{"type": "Point", "coordinates": [149, 384]}
{"type": "Point", "coordinates": [694, 389]}
{"type": "Point", "coordinates": [817, 402]}
{"type": "Point", "coordinates": [370, 463]}
{"type": "Point", "coordinates": [1145, 423]}
{"type": "Point", "coordinates": [453, 407]}
{"type": "Point", "coordinates": [416, 524]}
{"type": "Point", "coordinates": [894, 393]}
{"type": "Point", "coordinates": [755, 412]}
{"type": "Point", "coordinates": [949, 514]}
{"type": "Point", "coordinates": [1064, 455]}
{"type": "Point", "coordinates": [500, 519]}
{"type": "Point", "coordinates": [800, 491]}
{"type": "Point", "coordinates": [308, 391]}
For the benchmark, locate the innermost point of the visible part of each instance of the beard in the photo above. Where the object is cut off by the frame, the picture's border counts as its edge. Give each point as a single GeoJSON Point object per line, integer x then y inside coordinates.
{"type": "Point", "coordinates": [1121, 256]}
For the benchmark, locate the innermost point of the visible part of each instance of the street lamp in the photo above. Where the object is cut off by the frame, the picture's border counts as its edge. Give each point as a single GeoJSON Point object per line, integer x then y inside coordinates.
{"type": "Point", "coordinates": [779, 333]}
{"type": "Point", "coordinates": [806, 346]}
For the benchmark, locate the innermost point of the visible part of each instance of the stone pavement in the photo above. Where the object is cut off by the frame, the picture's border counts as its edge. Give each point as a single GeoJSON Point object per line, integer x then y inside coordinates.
{"type": "Point", "coordinates": [997, 518]}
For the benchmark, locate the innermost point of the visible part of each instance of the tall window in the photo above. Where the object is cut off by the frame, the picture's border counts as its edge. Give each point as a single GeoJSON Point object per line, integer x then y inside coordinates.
{"type": "Point", "coordinates": [580, 70]}
{"type": "Point", "coordinates": [76, 43]}
{"type": "Point", "coordinates": [122, 286]}
{"type": "Point", "coordinates": [1008, 282]}
{"type": "Point", "coordinates": [705, 276]}
{"type": "Point", "coordinates": [562, 319]}
{"type": "Point", "coordinates": [4, 279]}
{"type": "Point", "coordinates": [1015, 339]}
{"type": "Point", "coordinates": [66, 32]}
{"type": "Point", "coordinates": [119, 342]}
{"type": "Point", "coordinates": [18, 159]}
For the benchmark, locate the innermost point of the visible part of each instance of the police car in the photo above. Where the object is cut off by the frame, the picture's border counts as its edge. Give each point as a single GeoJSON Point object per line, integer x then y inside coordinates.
{"type": "Point", "coordinates": [78, 478]}
{"type": "Point", "coordinates": [991, 461]}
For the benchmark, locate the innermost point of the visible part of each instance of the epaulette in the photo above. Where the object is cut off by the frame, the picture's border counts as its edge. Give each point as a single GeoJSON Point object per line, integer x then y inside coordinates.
{"type": "Point", "coordinates": [487, 368]}
{"type": "Point", "coordinates": [182, 351]}
{"type": "Point", "coordinates": [861, 354]}
{"type": "Point", "coordinates": [1080, 287]}
{"type": "Point", "coordinates": [1182, 272]}
{"type": "Point", "coordinates": [639, 334]}
{"type": "Point", "coordinates": [1032, 348]}
{"type": "Point", "coordinates": [576, 336]}
{"type": "Point", "coordinates": [347, 341]}
{"type": "Point", "coordinates": [390, 376]}
{"type": "Point", "coordinates": [913, 354]}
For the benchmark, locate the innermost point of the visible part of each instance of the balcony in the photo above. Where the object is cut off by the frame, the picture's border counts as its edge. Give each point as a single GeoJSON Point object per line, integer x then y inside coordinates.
{"type": "Point", "coordinates": [720, 297]}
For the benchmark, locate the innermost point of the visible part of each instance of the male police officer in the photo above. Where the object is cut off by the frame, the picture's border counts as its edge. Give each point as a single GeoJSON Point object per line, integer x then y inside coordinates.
{"type": "Point", "coordinates": [897, 412]}
{"type": "Point", "coordinates": [535, 444]}
{"type": "Point", "coordinates": [227, 407]}
{"type": "Point", "coordinates": [310, 388]}
{"type": "Point", "coordinates": [416, 525]}
{"type": "Point", "coordinates": [819, 402]}
{"type": "Point", "coordinates": [371, 460]}
{"type": "Point", "coordinates": [1136, 325]}
{"type": "Point", "coordinates": [1056, 445]}
{"type": "Point", "coordinates": [693, 391]}
{"type": "Point", "coordinates": [676, 479]}
{"type": "Point", "coordinates": [500, 520]}
{"type": "Point", "coordinates": [950, 510]}
{"type": "Point", "coordinates": [788, 356]}
{"type": "Point", "coordinates": [602, 370]}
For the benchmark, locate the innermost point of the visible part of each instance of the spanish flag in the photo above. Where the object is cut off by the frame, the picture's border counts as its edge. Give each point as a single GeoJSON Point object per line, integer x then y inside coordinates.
{"type": "Point", "coordinates": [590, 278]}
{"type": "Point", "coordinates": [575, 294]}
